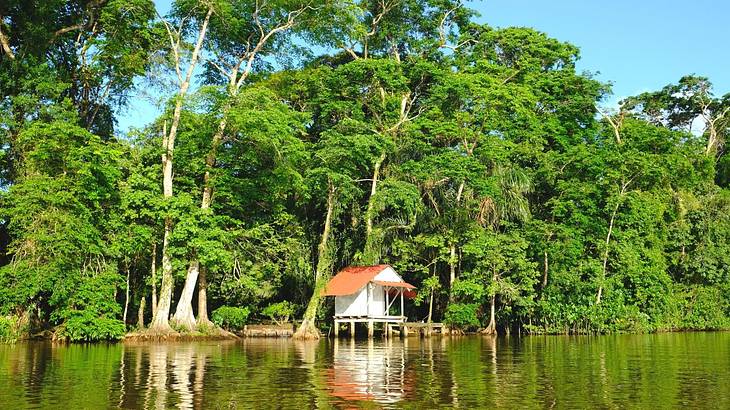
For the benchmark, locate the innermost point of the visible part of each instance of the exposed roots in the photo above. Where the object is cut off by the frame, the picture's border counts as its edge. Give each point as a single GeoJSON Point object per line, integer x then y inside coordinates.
{"type": "Point", "coordinates": [307, 331]}
{"type": "Point", "coordinates": [488, 331]}
{"type": "Point", "coordinates": [203, 331]}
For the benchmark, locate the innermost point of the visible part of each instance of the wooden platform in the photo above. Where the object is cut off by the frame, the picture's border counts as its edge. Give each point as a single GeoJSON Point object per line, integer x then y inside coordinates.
{"type": "Point", "coordinates": [391, 326]}
{"type": "Point", "coordinates": [417, 328]}
{"type": "Point", "coordinates": [285, 330]}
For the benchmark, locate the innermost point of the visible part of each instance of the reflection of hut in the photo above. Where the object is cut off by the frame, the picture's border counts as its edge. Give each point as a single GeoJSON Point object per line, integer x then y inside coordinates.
{"type": "Point", "coordinates": [372, 372]}
{"type": "Point", "coordinates": [367, 294]}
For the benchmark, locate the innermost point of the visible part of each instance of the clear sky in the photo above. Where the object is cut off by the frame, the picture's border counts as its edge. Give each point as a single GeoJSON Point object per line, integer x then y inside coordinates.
{"type": "Point", "coordinates": [638, 45]}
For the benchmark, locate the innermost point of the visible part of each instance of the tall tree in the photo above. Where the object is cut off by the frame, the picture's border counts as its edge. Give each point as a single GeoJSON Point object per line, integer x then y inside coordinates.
{"type": "Point", "coordinates": [176, 37]}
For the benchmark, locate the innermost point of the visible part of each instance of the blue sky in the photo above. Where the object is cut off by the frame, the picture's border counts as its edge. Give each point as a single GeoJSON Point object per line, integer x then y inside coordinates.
{"type": "Point", "coordinates": [638, 45]}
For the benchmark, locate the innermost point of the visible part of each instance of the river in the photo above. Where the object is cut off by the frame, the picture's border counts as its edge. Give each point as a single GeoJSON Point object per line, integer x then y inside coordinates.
{"type": "Point", "coordinates": [636, 371]}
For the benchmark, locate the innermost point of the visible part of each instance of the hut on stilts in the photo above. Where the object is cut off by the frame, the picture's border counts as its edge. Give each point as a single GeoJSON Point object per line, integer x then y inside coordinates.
{"type": "Point", "coordinates": [369, 294]}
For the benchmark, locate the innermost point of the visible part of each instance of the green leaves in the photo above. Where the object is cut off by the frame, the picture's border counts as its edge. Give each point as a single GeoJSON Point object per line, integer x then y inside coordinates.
{"type": "Point", "coordinates": [230, 318]}
{"type": "Point", "coordinates": [469, 157]}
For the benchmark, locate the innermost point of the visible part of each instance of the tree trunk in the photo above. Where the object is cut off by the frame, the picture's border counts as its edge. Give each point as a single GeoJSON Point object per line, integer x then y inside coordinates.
{"type": "Point", "coordinates": [203, 298]}
{"type": "Point", "coordinates": [452, 270]}
{"type": "Point", "coordinates": [605, 254]}
{"type": "Point", "coordinates": [126, 300]}
{"type": "Point", "coordinates": [452, 249]}
{"type": "Point", "coordinates": [711, 141]}
{"type": "Point", "coordinates": [545, 269]}
{"type": "Point", "coordinates": [160, 322]}
{"type": "Point", "coordinates": [308, 329]}
{"type": "Point", "coordinates": [371, 254]}
{"type": "Point", "coordinates": [491, 329]}
{"type": "Point", "coordinates": [429, 330]}
{"type": "Point", "coordinates": [140, 313]}
{"type": "Point", "coordinates": [153, 268]}
{"type": "Point", "coordinates": [184, 317]}
{"type": "Point", "coordinates": [184, 312]}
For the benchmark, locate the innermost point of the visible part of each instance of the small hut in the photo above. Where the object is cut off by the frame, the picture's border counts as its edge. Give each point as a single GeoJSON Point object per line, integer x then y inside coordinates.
{"type": "Point", "coordinates": [367, 294]}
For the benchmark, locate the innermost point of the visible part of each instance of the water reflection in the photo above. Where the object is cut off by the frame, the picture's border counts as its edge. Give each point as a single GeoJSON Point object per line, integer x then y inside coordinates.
{"type": "Point", "coordinates": [364, 371]}
{"type": "Point", "coordinates": [676, 370]}
{"type": "Point", "coordinates": [163, 375]}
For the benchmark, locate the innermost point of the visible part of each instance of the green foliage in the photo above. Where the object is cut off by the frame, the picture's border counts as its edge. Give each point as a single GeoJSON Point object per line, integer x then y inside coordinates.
{"type": "Point", "coordinates": [702, 307]}
{"type": "Point", "coordinates": [483, 173]}
{"type": "Point", "coordinates": [230, 318]}
{"type": "Point", "coordinates": [85, 326]}
{"type": "Point", "coordinates": [6, 330]}
{"type": "Point", "coordinates": [279, 312]}
{"type": "Point", "coordinates": [13, 328]}
{"type": "Point", "coordinates": [91, 313]}
{"type": "Point", "coordinates": [463, 316]}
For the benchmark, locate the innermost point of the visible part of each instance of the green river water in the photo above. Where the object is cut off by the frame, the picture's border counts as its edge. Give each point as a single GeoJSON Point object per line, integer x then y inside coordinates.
{"type": "Point", "coordinates": [687, 370]}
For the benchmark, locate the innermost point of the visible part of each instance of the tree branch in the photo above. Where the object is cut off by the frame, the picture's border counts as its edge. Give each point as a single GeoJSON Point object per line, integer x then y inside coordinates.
{"type": "Point", "coordinates": [5, 42]}
{"type": "Point", "coordinates": [616, 125]}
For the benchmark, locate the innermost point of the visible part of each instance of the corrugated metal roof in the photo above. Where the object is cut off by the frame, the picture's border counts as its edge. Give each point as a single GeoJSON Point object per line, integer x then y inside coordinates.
{"type": "Point", "coordinates": [353, 278]}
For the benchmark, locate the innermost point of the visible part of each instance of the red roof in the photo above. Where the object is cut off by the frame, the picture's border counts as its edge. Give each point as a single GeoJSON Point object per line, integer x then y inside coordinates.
{"type": "Point", "coordinates": [353, 278]}
{"type": "Point", "coordinates": [394, 284]}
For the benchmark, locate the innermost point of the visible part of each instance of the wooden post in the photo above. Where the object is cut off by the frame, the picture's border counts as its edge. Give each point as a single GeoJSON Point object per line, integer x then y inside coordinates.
{"type": "Point", "coordinates": [402, 312]}
{"type": "Point", "coordinates": [352, 329]}
{"type": "Point", "coordinates": [337, 328]}
{"type": "Point", "coordinates": [404, 330]}
{"type": "Point", "coordinates": [387, 300]}
{"type": "Point", "coordinates": [371, 329]}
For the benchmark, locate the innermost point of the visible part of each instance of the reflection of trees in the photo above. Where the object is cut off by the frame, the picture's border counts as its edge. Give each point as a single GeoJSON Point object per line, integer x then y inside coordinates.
{"type": "Point", "coordinates": [163, 375]}
{"type": "Point", "coordinates": [669, 370]}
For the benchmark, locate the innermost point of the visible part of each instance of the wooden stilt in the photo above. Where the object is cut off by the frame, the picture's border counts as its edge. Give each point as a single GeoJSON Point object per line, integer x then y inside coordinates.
{"type": "Point", "coordinates": [352, 329]}
{"type": "Point", "coordinates": [402, 312]}
{"type": "Point", "coordinates": [371, 329]}
{"type": "Point", "coordinates": [337, 328]}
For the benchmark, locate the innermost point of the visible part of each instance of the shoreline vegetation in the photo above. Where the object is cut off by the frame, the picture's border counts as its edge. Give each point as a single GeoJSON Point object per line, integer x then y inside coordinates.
{"type": "Point", "coordinates": [297, 138]}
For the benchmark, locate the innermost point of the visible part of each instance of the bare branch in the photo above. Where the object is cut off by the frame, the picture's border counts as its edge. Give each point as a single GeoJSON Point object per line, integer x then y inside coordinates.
{"type": "Point", "coordinates": [250, 56]}
{"type": "Point", "coordinates": [67, 29]}
{"type": "Point", "coordinates": [174, 45]}
{"type": "Point", "coordinates": [616, 125]}
{"type": "Point", "coordinates": [351, 52]}
{"type": "Point", "coordinates": [218, 67]}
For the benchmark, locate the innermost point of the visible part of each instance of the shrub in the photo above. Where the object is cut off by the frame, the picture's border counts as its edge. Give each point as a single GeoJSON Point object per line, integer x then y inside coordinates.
{"type": "Point", "coordinates": [230, 318]}
{"type": "Point", "coordinates": [6, 330]}
{"type": "Point", "coordinates": [704, 308]}
{"type": "Point", "coordinates": [91, 312]}
{"type": "Point", "coordinates": [279, 312]}
{"type": "Point", "coordinates": [85, 326]}
{"type": "Point", "coordinates": [462, 316]}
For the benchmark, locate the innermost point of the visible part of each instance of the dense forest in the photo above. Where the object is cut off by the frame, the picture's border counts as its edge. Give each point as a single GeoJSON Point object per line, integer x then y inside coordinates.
{"type": "Point", "coordinates": [298, 137]}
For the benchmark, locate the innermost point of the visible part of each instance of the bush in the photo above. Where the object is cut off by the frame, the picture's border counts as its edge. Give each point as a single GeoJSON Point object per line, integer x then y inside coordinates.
{"type": "Point", "coordinates": [230, 318]}
{"type": "Point", "coordinates": [6, 330]}
{"type": "Point", "coordinates": [279, 312]}
{"type": "Point", "coordinates": [703, 308]}
{"type": "Point", "coordinates": [91, 311]}
{"type": "Point", "coordinates": [85, 326]}
{"type": "Point", "coordinates": [462, 316]}
{"type": "Point", "coordinates": [14, 327]}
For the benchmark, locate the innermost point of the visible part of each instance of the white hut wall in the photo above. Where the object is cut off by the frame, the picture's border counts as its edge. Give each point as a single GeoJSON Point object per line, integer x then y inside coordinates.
{"type": "Point", "coordinates": [388, 275]}
{"type": "Point", "coordinates": [377, 300]}
{"type": "Point", "coordinates": [352, 305]}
